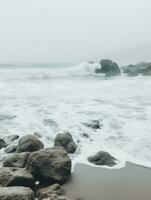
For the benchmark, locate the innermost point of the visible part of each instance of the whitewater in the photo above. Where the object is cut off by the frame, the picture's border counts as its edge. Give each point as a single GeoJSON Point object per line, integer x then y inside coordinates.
{"type": "Point", "coordinates": [48, 99]}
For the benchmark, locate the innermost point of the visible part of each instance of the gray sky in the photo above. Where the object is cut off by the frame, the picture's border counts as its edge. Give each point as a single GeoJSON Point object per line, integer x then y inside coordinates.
{"type": "Point", "coordinates": [70, 30]}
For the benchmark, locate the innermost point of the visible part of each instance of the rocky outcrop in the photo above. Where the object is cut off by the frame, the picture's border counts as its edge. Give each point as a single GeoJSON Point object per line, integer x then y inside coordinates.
{"type": "Point", "coordinates": [29, 143]}
{"type": "Point", "coordinates": [16, 160]}
{"type": "Point", "coordinates": [109, 68]}
{"type": "Point", "coordinates": [3, 144]}
{"type": "Point", "coordinates": [140, 68]}
{"type": "Point", "coordinates": [11, 149]}
{"type": "Point", "coordinates": [53, 192]}
{"type": "Point", "coordinates": [102, 158]}
{"type": "Point", "coordinates": [51, 165]}
{"type": "Point", "coordinates": [16, 193]}
{"type": "Point", "coordinates": [10, 176]}
{"type": "Point", "coordinates": [66, 141]}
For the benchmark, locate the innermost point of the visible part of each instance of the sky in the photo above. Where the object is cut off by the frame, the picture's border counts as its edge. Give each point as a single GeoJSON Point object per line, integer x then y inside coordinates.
{"type": "Point", "coordinates": [70, 30]}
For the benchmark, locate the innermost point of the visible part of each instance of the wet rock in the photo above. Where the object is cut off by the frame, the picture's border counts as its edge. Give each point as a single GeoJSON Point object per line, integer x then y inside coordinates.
{"type": "Point", "coordinates": [102, 158]}
{"type": "Point", "coordinates": [51, 191]}
{"type": "Point", "coordinates": [11, 149]}
{"type": "Point", "coordinates": [109, 68]}
{"type": "Point", "coordinates": [51, 165]}
{"type": "Point", "coordinates": [11, 176]}
{"type": "Point", "coordinates": [66, 141]}
{"type": "Point", "coordinates": [85, 135]}
{"type": "Point", "coordinates": [94, 124]}
{"type": "Point", "coordinates": [12, 138]}
{"type": "Point", "coordinates": [29, 143]}
{"type": "Point", "coordinates": [16, 193]}
{"type": "Point", "coordinates": [3, 144]}
{"type": "Point", "coordinates": [140, 68]}
{"type": "Point", "coordinates": [17, 160]}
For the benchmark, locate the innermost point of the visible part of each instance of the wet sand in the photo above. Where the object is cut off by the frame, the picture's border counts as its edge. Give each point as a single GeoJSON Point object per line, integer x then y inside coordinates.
{"type": "Point", "coordinates": [90, 183]}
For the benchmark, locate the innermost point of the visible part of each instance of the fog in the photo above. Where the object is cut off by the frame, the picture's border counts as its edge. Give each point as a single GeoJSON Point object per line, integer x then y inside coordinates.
{"type": "Point", "coordinates": [70, 30]}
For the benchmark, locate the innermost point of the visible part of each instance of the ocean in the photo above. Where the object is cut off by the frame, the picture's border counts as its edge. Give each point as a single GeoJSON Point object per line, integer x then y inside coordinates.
{"type": "Point", "coordinates": [51, 98]}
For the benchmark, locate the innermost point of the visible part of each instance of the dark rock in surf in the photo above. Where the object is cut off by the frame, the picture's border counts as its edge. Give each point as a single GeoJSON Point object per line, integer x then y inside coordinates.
{"type": "Point", "coordinates": [16, 160]}
{"type": "Point", "coordinates": [140, 68]}
{"type": "Point", "coordinates": [51, 165]}
{"type": "Point", "coordinates": [66, 141]}
{"type": "Point", "coordinates": [29, 143]}
{"type": "Point", "coordinates": [12, 176]}
{"type": "Point", "coordinates": [12, 138]}
{"type": "Point", "coordinates": [109, 68]}
{"type": "Point", "coordinates": [11, 149]}
{"type": "Point", "coordinates": [54, 192]}
{"type": "Point", "coordinates": [102, 158]}
{"type": "Point", "coordinates": [16, 193]}
{"type": "Point", "coordinates": [94, 124]}
{"type": "Point", "coordinates": [3, 144]}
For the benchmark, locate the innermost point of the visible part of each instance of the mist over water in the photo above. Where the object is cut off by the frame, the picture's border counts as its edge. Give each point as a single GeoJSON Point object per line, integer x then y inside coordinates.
{"type": "Point", "coordinates": [48, 100]}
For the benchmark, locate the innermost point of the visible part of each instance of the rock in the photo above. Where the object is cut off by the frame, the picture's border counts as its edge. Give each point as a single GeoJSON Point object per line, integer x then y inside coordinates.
{"type": "Point", "coordinates": [12, 138]}
{"type": "Point", "coordinates": [29, 143]}
{"type": "Point", "coordinates": [102, 158]}
{"type": "Point", "coordinates": [10, 149]}
{"type": "Point", "coordinates": [3, 144]}
{"type": "Point", "coordinates": [140, 68]}
{"type": "Point", "coordinates": [94, 124]}
{"type": "Point", "coordinates": [109, 68]}
{"type": "Point", "coordinates": [51, 191]}
{"type": "Point", "coordinates": [17, 160]}
{"type": "Point", "coordinates": [85, 135]}
{"type": "Point", "coordinates": [65, 140]}
{"type": "Point", "coordinates": [16, 193]}
{"type": "Point", "coordinates": [11, 176]}
{"type": "Point", "coordinates": [51, 165]}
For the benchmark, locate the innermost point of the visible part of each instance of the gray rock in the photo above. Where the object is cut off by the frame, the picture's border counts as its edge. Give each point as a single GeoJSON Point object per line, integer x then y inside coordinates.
{"type": "Point", "coordinates": [29, 143]}
{"type": "Point", "coordinates": [16, 160]}
{"type": "Point", "coordinates": [12, 138]}
{"type": "Point", "coordinates": [11, 149]}
{"type": "Point", "coordinates": [94, 124]}
{"type": "Point", "coordinates": [16, 193]}
{"type": "Point", "coordinates": [51, 165]}
{"type": "Point", "coordinates": [51, 191]}
{"type": "Point", "coordinates": [109, 68]}
{"type": "Point", "coordinates": [10, 176]}
{"type": "Point", "coordinates": [102, 158]}
{"type": "Point", "coordinates": [140, 68]}
{"type": "Point", "coordinates": [66, 141]}
{"type": "Point", "coordinates": [3, 144]}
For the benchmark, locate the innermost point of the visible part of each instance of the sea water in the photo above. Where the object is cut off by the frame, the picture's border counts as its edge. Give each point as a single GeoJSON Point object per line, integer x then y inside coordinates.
{"type": "Point", "coordinates": [48, 99]}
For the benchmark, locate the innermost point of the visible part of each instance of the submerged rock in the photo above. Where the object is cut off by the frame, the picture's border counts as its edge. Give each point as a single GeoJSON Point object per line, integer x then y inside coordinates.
{"type": "Point", "coordinates": [94, 124]}
{"type": "Point", "coordinates": [102, 158]}
{"type": "Point", "coordinates": [66, 141]}
{"type": "Point", "coordinates": [140, 68]}
{"type": "Point", "coordinates": [16, 193]}
{"type": "Point", "coordinates": [109, 68]}
{"type": "Point", "coordinates": [29, 143]}
{"type": "Point", "coordinates": [3, 144]}
{"type": "Point", "coordinates": [17, 160]}
{"type": "Point", "coordinates": [12, 138]}
{"type": "Point", "coordinates": [51, 165]}
{"type": "Point", "coordinates": [11, 149]}
{"type": "Point", "coordinates": [52, 191]}
{"type": "Point", "coordinates": [11, 176]}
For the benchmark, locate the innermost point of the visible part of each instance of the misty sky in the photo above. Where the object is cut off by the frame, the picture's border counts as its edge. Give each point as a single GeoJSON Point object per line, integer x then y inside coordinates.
{"type": "Point", "coordinates": [70, 30]}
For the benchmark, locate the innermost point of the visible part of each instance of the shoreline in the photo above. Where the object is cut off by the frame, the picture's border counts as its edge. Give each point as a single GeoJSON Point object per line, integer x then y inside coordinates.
{"type": "Point", "coordinates": [132, 182]}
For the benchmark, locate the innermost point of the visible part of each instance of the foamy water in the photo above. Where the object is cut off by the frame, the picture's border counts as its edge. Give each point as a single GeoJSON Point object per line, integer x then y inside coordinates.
{"type": "Point", "coordinates": [49, 100]}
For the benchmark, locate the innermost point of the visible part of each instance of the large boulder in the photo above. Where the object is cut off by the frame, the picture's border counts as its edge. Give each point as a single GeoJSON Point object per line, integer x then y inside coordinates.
{"type": "Point", "coordinates": [102, 158]}
{"type": "Point", "coordinates": [10, 176]}
{"type": "Point", "coordinates": [51, 165]}
{"type": "Point", "coordinates": [16, 193]}
{"type": "Point", "coordinates": [140, 68]}
{"type": "Point", "coordinates": [29, 143]}
{"type": "Point", "coordinates": [109, 68]}
{"type": "Point", "coordinates": [3, 144]}
{"type": "Point", "coordinates": [52, 191]}
{"type": "Point", "coordinates": [16, 160]}
{"type": "Point", "coordinates": [66, 141]}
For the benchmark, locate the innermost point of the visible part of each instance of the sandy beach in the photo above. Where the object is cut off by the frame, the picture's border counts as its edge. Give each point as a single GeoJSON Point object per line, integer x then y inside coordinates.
{"type": "Point", "coordinates": [90, 183]}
